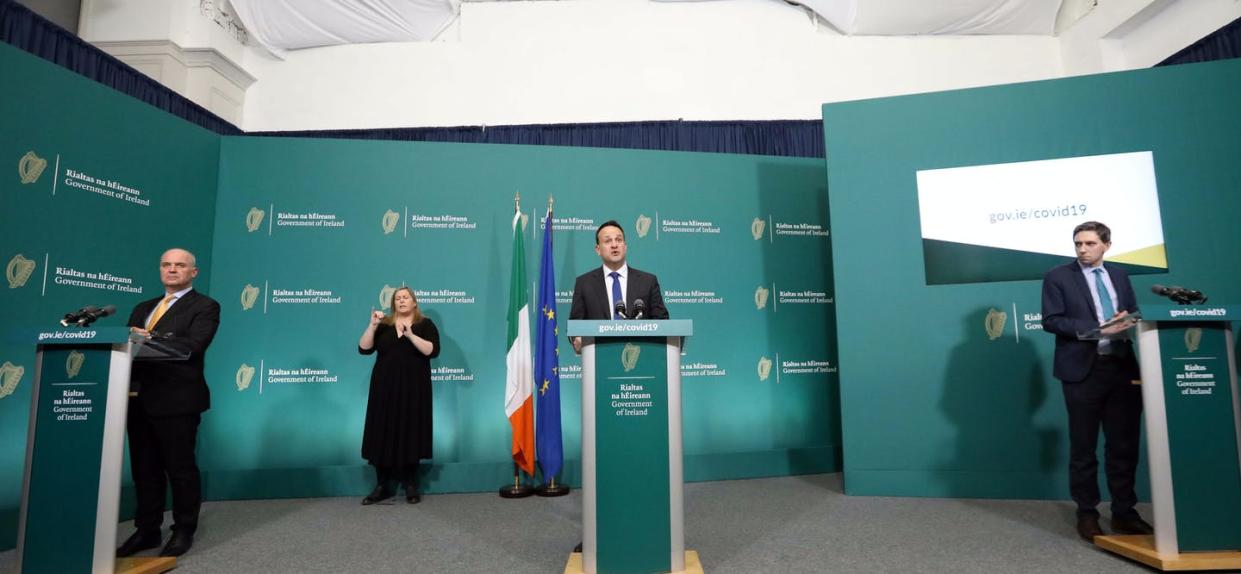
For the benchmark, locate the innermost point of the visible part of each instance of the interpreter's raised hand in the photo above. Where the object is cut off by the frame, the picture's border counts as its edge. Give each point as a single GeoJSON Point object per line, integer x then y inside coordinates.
{"type": "Point", "coordinates": [376, 317]}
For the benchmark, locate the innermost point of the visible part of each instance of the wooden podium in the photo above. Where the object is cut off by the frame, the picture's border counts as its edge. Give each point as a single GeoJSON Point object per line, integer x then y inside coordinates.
{"type": "Point", "coordinates": [1193, 432]}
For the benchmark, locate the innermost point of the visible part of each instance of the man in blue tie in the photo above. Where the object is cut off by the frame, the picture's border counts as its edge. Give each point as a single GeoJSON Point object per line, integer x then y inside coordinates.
{"type": "Point", "coordinates": [1086, 305]}
{"type": "Point", "coordinates": [613, 290]}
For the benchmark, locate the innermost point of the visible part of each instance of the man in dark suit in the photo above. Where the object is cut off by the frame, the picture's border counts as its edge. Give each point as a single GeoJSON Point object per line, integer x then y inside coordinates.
{"type": "Point", "coordinates": [167, 398]}
{"type": "Point", "coordinates": [596, 293]}
{"type": "Point", "coordinates": [1087, 305]}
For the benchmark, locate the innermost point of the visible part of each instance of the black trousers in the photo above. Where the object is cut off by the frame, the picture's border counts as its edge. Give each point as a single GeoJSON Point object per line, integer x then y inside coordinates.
{"type": "Point", "coordinates": [161, 453]}
{"type": "Point", "coordinates": [1106, 398]}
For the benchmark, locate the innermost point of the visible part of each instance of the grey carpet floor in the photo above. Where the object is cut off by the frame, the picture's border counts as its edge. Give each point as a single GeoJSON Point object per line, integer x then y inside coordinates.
{"type": "Point", "coordinates": [778, 525]}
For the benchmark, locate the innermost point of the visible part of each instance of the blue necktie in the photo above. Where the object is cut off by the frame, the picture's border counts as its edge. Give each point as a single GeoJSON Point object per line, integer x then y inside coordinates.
{"type": "Point", "coordinates": [616, 294]}
{"type": "Point", "coordinates": [1105, 299]}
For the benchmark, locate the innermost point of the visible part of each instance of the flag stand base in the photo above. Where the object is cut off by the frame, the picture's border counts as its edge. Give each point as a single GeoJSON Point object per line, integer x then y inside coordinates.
{"type": "Point", "coordinates": [552, 489]}
{"type": "Point", "coordinates": [515, 491]}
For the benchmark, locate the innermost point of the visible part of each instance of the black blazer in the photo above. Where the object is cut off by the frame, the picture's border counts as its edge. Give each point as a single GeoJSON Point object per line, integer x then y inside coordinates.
{"type": "Point", "coordinates": [1068, 309]}
{"type": "Point", "coordinates": [591, 301]}
{"type": "Point", "coordinates": [171, 388]}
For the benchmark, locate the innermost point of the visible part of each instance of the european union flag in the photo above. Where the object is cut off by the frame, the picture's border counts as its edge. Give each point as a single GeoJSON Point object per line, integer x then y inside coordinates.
{"type": "Point", "coordinates": [549, 444]}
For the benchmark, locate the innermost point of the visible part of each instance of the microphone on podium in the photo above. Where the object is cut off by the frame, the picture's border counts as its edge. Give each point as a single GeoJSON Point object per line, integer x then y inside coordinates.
{"type": "Point", "coordinates": [72, 317]}
{"type": "Point", "coordinates": [1180, 294]}
{"type": "Point", "coordinates": [639, 309]}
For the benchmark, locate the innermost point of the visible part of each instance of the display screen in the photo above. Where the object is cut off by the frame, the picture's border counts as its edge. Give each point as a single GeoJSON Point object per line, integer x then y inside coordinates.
{"type": "Point", "coordinates": [1014, 221]}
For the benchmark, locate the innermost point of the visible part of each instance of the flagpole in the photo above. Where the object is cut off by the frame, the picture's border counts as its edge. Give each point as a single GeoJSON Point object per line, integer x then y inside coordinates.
{"type": "Point", "coordinates": [516, 489]}
{"type": "Point", "coordinates": [551, 487]}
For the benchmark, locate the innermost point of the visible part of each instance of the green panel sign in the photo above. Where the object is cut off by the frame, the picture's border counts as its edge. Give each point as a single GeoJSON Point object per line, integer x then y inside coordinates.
{"type": "Point", "coordinates": [316, 233]}
{"type": "Point", "coordinates": [94, 185]}
{"type": "Point", "coordinates": [948, 389]}
{"type": "Point", "coordinates": [64, 472]}
{"type": "Point", "coordinates": [1202, 435]}
{"type": "Point", "coordinates": [631, 441]}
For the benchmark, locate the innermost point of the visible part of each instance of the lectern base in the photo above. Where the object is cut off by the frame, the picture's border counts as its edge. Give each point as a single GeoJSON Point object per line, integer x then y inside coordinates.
{"type": "Point", "coordinates": [156, 565]}
{"type": "Point", "coordinates": [1141, 548]}
{"type": "Point", "coordinates": [692, 565]}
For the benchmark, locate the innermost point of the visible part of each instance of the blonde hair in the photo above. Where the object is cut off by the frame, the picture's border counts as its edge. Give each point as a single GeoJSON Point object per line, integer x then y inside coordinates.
{"type": "Point", "coordinates": [390, 318]}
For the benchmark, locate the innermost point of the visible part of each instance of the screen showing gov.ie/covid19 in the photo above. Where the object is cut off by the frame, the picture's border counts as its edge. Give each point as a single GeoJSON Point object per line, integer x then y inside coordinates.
{"type": "Point", "coordinates": [1013, 221]}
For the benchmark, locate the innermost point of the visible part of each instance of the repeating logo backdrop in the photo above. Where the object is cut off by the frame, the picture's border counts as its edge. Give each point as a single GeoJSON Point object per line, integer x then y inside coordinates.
{"type": "Point", "coordinates": [308, 236]}
{"type": "Point", "coordinates": [93, 187]}
{"type": "Point", "coordinates": [312, 235]}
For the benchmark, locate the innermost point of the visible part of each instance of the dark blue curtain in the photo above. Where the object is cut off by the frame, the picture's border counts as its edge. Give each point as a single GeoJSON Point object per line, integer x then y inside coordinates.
{"type": "Point", "coordinates": [1221, 44]}
{"type": "Point", "coordinates": [28, 31]}
{"type": "Point", "coordinates": [798, 138]}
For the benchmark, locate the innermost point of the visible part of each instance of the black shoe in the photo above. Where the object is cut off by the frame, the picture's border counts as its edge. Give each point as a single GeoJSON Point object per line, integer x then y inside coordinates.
{"type": "Point", "coordinates": [137, 542]}
{"type": "Point", "coordinates": [1133, 525]}
{"type": "Point", "coordinates": [380, 494]}
{"type": "Point", "coordinates": [411, 493]}
{"type": "Point", "coordinates": [1088, 527]}
{"type": "Point", "coordinates": [179, 543]}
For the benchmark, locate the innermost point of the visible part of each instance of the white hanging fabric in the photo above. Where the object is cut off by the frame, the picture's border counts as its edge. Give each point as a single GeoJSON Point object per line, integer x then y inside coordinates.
{"type": "Point", "coordinates": [936, 17]}
{"type": "Point", "coordinates": [281, 25]}
{"type": "Point", "coordinates": [957, 17]}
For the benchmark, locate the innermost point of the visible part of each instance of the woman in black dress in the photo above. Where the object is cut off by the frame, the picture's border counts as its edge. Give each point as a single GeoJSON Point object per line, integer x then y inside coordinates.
{"type": "Point", "coordinates": [398, 411]}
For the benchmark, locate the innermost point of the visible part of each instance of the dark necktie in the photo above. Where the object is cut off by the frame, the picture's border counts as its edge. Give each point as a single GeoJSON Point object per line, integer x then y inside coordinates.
{"type": "Point", "coordinates": [616, 294]}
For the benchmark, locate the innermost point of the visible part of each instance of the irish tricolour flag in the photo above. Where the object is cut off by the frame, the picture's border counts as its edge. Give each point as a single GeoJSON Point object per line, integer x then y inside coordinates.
{"type": "Point", "coordinates": [518, 404]}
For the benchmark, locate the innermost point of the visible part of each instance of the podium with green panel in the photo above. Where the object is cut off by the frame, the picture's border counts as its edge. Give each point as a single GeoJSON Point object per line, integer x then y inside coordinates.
{"type": "Point", "coordinates": [74, 450]}
{"type": "Point", "coordinates": [1193, 433]}
{"type": "Point", "coordinates": [632, 505]}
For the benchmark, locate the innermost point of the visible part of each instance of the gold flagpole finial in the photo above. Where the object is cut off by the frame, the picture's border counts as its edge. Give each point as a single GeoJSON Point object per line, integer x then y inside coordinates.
{"type": "Point", "coordinates": [517, 201]}
{"type": "Point", "coordinates": [550, 201]}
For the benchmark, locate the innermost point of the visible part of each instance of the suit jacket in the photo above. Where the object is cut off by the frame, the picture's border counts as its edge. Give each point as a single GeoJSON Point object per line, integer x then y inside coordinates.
{"type": "Point", "coordinates": [591, 301]}
{"type": "Point", "coordinates": [1069, 309]}
{"type": "Point", "coordinates": [173, 388]}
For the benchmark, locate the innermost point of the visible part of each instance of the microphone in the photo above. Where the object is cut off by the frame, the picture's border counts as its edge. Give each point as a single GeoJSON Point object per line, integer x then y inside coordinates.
{"type": "Point", "coordinates": [1180, 295]}
{"type": "Point", "coordinates": [639, 308]}
{"type": "Point", "coordinates": [91, 316]}
{"type": "Point", "coordinates": [619, 309]}
{"type": "Point", "coordinates": [74, 316]}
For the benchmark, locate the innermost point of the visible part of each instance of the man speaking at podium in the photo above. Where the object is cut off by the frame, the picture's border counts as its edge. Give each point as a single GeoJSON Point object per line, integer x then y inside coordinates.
{"type": "Point", "coordinates": [167, 398]}
{"type": "Point", "coordinates": [614, 290]}
{"type": "Point", "coordinates": [1087, 304]}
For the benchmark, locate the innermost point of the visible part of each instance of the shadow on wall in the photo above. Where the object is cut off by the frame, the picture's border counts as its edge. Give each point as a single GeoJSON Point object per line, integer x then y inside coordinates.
{"type": "Point", "coordinates": [287, 438]}
{"type": "Point", "coordinates": [993, 388]}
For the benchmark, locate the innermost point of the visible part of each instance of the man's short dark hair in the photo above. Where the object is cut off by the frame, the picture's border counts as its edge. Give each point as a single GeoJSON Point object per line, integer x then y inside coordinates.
{"type": "Point", "coordinates": [1104, 232]}
{"type": "Point", "coordinates": [609, 223]}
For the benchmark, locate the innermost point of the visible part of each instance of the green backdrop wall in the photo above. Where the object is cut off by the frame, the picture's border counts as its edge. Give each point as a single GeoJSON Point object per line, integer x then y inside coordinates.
{"type": "Point", "coordinates": [739, 243]}
{"type": "Point", "coordinates": [933, 406]}
{"type": "Point", "coordinates": [99, 185]}
{"type": "Point", "coordinates": [95, 186]}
